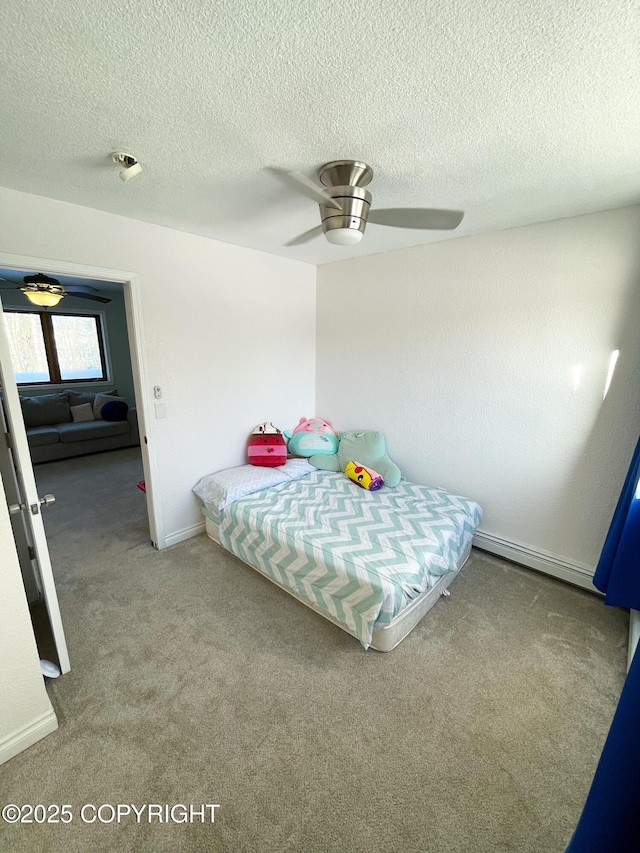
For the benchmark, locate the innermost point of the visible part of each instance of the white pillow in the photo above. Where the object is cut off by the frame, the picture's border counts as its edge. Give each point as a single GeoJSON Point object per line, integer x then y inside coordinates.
{"type": "Point", "coordinates": [296, 468]}
{"type": "Point", "coordinates": [216, 491]}
{"type": "Point", "coordinates": [82, 413]}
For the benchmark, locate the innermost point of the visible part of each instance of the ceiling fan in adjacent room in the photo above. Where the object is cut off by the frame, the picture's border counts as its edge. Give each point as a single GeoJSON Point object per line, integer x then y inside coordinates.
{"type": "Point", "coordinates": [45, 292]}
{"type": "Point", "coordinates": [345, 206]}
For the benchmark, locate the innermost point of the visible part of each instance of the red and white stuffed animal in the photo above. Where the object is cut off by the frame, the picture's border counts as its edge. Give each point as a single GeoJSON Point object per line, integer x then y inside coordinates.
{"type": "Point", "coordinates": [267, 446]}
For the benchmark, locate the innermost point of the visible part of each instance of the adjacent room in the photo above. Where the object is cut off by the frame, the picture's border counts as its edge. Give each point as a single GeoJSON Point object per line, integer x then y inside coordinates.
{"type": "Point", "coordinates": [66, 357]}
{"type": "Point", "coordinates": [334, 378]}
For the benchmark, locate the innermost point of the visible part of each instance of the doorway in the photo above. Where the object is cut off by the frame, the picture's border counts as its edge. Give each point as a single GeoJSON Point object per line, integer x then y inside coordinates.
{"type": "Point", "coordinates": [112, 286]}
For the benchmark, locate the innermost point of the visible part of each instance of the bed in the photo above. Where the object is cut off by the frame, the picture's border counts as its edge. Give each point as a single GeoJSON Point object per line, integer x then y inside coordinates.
{"type": "Point", "coordinates": [373, 563]}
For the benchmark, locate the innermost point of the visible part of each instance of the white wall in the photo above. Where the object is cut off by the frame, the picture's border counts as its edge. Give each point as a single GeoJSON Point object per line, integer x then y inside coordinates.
{"type": "Point", "coordinates": [26, 714]}
{"type": "Point", "coordinates": [463, 353]}
{"type": "Point", "coordinates": [229, 333]}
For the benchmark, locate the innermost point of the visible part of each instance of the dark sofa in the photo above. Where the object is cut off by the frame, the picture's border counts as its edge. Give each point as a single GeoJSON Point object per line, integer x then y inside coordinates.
{"type": "Point", "coordinates": [53, 434]}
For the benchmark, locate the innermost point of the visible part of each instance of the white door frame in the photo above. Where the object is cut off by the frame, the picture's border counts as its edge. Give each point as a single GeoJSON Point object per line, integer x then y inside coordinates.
{"type": "Point", "coordinates": [133, 310]}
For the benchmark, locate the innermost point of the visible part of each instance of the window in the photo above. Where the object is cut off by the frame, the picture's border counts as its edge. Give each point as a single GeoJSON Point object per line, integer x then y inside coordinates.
{"type": "Point", "coordinates": [50, 347]}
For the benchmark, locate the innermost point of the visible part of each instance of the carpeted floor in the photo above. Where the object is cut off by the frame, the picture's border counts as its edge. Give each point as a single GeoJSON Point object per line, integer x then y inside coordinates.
{"type": "Point", "coordinates": [195, 680]}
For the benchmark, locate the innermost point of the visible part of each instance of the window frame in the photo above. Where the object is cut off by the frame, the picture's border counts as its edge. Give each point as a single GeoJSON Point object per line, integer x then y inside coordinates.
{"type": "Point", "coordinates": [51, 351]}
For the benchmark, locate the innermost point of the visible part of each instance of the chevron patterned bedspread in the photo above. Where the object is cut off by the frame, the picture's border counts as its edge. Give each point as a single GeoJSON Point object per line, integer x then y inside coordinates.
{"type": "Point", "coordinates": [358, 556]}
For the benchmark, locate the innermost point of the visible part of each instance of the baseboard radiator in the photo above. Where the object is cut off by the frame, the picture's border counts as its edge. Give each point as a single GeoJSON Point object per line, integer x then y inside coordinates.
{"type": "Point", "coordinates": [567, 570]}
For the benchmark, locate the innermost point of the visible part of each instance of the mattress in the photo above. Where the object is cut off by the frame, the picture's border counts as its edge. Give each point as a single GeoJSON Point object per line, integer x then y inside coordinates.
{"type": "Point", "coordinates": [359, 558]}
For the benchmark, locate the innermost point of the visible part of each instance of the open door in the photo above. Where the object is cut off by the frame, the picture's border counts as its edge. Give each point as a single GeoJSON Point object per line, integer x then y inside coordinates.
{"type": "Point", "coordinates": [26, 500]}
{"type": "Point", "coordinates": [18, 524]}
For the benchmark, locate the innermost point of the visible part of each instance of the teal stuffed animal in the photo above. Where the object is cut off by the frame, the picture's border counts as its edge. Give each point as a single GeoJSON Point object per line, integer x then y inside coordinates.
{"type": "Point", "coordinates": [370, 450]}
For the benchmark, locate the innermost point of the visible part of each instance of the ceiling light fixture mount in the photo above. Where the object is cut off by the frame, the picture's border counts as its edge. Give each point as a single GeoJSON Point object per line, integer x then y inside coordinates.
{"type": "Point", "coordinates": [129, 163]}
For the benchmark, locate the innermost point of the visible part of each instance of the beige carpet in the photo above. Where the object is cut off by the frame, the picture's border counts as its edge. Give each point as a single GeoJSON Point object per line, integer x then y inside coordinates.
{"type": "Point", "coordinates": [195, 680]}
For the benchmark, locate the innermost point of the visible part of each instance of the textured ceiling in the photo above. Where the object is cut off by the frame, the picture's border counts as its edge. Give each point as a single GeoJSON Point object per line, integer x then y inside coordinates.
{"type": "Point", "coordinates": [516, 112]}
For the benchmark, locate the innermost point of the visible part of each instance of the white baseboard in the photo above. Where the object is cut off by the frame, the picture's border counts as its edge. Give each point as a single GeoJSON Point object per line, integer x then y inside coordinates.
{"type": "Point", "coordinates": [558, 567]}
{"type": "Point", "coordinates": [28, 735]}
{"type": "Point", "coordinates": [181, 535]}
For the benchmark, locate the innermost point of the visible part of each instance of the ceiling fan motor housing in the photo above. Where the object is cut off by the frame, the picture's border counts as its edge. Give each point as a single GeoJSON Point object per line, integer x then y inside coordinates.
{"type": "Point", "coordinates": [44, 288]}
{"type": "Point", "coordinates": [345, 181]}
{"type": "Point", "coordinates": [40, 281]}
{"type": "Point", "coordinates": [355, 203]}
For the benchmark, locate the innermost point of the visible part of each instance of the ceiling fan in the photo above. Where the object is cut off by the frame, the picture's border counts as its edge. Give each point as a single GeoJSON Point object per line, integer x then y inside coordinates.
{"type": "Point", "coordinates": [44, 291]}
{"type": "Point", "coordinates": [345, 205]}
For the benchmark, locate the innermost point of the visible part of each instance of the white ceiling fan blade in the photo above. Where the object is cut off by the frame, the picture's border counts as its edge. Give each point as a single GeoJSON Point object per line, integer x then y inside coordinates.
{"type": "Point", "coordinates": [304, 238]}
{"type": "Point", "coordinates": [305, 185]}
{"type": "Point", "coordinates": [417, 217]}
{"type": "Point", "coordinates": [314, 191]}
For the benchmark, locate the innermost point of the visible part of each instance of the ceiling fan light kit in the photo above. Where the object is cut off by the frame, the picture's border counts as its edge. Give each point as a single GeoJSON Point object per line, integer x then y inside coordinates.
{"type": "Point", "coordinates": [43, 298]}
{"type": "Point", "coordinates": [343, 236]}
{"type": "Point", "coordinates": [42, 290]}
{"type": "Point", "coordinates": [345, 206]}
{"type": "Point", "coordinates": [46, 292]}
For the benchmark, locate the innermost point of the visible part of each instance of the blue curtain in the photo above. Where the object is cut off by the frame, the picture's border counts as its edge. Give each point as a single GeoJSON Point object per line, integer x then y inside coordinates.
{"type": "Point", "coordinates": [610, 820]}
{"type": "Point", "coordinates": [618, 571]}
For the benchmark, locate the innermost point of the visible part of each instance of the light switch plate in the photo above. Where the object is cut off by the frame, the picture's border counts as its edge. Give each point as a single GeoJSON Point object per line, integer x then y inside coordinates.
{"type": "Point", "coordinates": [161, 410]}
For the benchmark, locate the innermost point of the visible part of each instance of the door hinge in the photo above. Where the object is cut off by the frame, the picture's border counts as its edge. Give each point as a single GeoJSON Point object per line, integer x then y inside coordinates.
{"type": "Point", "coordinates": [32, 552]}
{"type": "Point", "coordinates": [7, 438]}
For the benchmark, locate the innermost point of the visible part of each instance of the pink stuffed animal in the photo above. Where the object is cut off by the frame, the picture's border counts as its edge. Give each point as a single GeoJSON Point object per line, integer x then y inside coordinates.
{"type": "Point", "coordinates": [311, 437]}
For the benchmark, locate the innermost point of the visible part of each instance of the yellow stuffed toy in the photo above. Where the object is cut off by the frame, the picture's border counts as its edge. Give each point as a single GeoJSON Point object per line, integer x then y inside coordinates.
{"type": "Point", "coordinates": [365, 477]}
